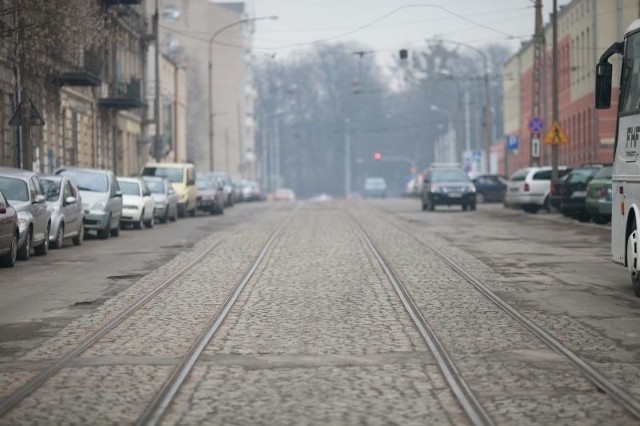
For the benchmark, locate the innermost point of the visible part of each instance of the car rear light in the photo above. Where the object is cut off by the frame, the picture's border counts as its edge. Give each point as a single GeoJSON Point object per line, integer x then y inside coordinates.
{"type": "Point", "coordinates": [526, 187]}
{"type": "Point", "coordinates": [603, 192]}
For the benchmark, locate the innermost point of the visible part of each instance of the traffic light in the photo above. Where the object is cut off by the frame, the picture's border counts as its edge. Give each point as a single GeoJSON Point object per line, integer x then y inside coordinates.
{"type": "Point", "coordinates": [377, 156]}
{"type": "Point", "coordinates": [403, 54]}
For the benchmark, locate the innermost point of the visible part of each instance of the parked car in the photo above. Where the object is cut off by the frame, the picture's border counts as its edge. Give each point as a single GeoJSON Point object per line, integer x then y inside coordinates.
{"type": "Point", "coordinates": [211, 195]}
{"type": "Point", "coordinates": [284, 194]}
{"type": "Point", "coordinates": [228, 187]}
{"type": "Point", "coordinates": [164, 197]}
{"type": "Point", "coordinates": [8, 233]}
{"type": "Point", "coordinates": [137, 203]}
{"type": "Point", "coordinates": [490, 188]}
{"type": "Point", "coordinates": [25, 193]}
{"type": "Point", "coordinates": [183, 180]}
{"type": "Point", "coordinates": [101, 199]}
{"type": "Point", "coordinates": [447, 186]}
{"type": "Point", "coordinates": [375, 187]}
{"type": "Point", "coordinates": [555, 188]}
{"type": "Point", "coordinates": [67, 214]}
{"type": "Point", "coordinates": [574, 192]}
{"type": "Point", "coordinates": [530, 188]}
{"type": "Point", "coordinates": [250, 191]}
{"type": "Point", "coordinates": [598, 201]}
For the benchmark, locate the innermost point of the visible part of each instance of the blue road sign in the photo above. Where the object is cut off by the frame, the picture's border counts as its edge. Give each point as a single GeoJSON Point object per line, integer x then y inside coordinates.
{"type": "Point", "coordinates": [536, 125]}
{"type": "Point", "coordinates": [513, 142]}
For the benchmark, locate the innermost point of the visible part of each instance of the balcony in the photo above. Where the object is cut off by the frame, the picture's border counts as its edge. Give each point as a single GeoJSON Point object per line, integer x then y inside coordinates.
{"type": "Point", "coordinates": [123, 96]}
{"type": "Point", "coordinates": [87, 74]}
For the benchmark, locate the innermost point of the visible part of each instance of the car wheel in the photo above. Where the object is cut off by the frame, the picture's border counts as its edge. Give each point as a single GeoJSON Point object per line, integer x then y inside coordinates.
{"type": "Point", "coordinates": [149, 223]}
{"type": "Point", "coordinates": [59, 242]}
{"type": "Point", "coordinates": [632, 261]}
{"type": "Point", "coordinates": [43, 248]}
{"type": "Point", "coordinates": [78, 239]}
{"type": "Point", "coordinates": [480, 198]}
{"type": "Point", "coordinates": [182, 210]}
{"type": "Point", "coordinates": [103, 234]}
{"type": "Point", "coordinates": [546, 205]}
{"type": "Point", "coordinates": [9, 259]}
{"type": "Point", "coordinates": [139, 223]}
{"type": "Point", "coordinates": [192, 212]}
{"type": "Point", "coordinates": [165, 217]}
{"type": "Point", "coordinates": [472, 206]}
{"type": "Point", "coordinates": [25, 251]}
{"type": "Point", "coordinates": [116, 231]}
{"type": "Point", "coordinates": [531, 209]}
{"type": "Point", "coordinates": [465, 207]}
{"type": "Point", "coordinates": [175, 215]}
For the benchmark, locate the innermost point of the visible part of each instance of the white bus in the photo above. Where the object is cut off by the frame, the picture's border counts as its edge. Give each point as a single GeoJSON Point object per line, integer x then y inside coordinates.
{"type": "Point", "coordinates": [625, 204]}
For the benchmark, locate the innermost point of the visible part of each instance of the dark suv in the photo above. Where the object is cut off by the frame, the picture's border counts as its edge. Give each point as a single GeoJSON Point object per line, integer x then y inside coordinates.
{"type": "Point", "coordinates": [574, 191]}
{"type": "Point", "coordinates": [447, 186]}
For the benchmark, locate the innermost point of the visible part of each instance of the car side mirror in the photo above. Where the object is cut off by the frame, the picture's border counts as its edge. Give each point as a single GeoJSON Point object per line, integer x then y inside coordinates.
{"type": "Point", "coordinates": [69, 200]}
{"type": "Point", "coordinates": [39, 199]}
{"type": "Point", "coordinates": [604, 72]}
{"type": "Point", "coordinates": [191, 182]}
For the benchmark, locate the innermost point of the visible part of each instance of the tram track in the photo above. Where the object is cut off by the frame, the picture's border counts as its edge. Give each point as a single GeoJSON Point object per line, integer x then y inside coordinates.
{"type": "Point", "coordinates": [12, 400]}
{"type": "Point", "coordinates": [602, 383]}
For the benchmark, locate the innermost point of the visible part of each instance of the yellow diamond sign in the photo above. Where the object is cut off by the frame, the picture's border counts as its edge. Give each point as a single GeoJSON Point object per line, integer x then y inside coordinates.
{"type": "Point", "coordinates": [555, 135]}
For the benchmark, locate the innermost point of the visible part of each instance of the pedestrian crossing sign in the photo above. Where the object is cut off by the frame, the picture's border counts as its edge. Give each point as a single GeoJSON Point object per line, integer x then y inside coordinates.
{"type": "Point", "coordinates": [555, 135]}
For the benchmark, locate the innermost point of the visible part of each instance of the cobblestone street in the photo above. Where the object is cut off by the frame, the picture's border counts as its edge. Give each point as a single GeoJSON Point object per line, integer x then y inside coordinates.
{"type": "Point", "coordinates": [315, 332]}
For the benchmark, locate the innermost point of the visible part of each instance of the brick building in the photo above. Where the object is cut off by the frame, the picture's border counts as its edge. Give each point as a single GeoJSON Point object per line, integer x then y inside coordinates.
{"type": "Point", "coordinates": [585, 29]}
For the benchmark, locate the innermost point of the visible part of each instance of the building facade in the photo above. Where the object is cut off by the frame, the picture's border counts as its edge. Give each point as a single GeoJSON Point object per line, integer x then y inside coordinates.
{"type": "Point", "coordinates": [212, 42]}
{"type": "Point", "coordinates": [585, 29]}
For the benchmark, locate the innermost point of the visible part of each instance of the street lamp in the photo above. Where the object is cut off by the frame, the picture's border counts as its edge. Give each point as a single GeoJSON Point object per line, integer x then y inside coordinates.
{"type": "Point", "coordinates": [213, 37]}
{"type": "Point", "coordinates": [450, 133]}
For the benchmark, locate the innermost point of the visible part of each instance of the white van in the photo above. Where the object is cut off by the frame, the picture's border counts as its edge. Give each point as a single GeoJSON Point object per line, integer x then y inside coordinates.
{"type": "Point", "coordinates": [183, 180]}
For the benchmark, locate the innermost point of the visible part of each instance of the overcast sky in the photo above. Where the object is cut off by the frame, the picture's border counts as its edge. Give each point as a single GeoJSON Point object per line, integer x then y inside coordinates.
{"type": "Point", "coordinates": [389, 25]}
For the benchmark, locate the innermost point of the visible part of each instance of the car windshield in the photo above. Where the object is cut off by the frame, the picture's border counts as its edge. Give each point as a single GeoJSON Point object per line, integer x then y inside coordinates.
{"type": "Point", "coordinates": [129, 188]}
{"type": "Point", "coordinates": [51, 189]}
{"type": "Point", "coordinates": [581, 175]}
{"type": "Point", "coordinates": [174, 174]}
{"type": "Point", "coordinates": [155, 186]}
{"type": "Point", "coordinates": [88, 181]}
{"type": "Point", "coordinates": [14, 189]}
{"type": "Point", "coordinates": [206, 184]}
{"type": "Point", "coordinates": [520, 175]}
{"type": "Point", "coordinates": [452, 175]}
{"type": "Point", "coordinates": [604, 173]}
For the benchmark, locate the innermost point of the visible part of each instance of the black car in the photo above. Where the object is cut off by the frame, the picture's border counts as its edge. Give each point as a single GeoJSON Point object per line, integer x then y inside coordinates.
{"type": "Point", "coordinates": [555, 194]}
{"type": "Point", "coordinates": [490, 188]}
{"type": "Point", "coordinates": [574, 192]}
{"type": "Point", "coordinates": [447, 186]}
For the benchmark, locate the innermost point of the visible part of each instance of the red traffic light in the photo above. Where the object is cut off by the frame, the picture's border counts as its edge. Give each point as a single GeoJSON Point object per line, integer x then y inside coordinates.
{"type": "Point", "coordinates": [377, 156]}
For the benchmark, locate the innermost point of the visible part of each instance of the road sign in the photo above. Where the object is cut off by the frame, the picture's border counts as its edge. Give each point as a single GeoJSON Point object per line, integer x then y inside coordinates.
{"type": "Point", "coordinates": [555, 135]}
{"type": "Point", "coordinates": [536, 125]}
{"type": "Point", "coordinates": [535, 147]}
{"type": "Point", "coordinates": [35, 119]}
{"type": "Point", "coordinates": [513, 143]}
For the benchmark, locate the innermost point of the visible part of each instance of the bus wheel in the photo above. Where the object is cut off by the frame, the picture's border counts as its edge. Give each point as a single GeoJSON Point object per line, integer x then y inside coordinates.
{"type": "Point", "coordinates": [632, 261]}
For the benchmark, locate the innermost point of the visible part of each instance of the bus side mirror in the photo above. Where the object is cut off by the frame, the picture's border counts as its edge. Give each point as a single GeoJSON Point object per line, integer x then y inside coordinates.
{"type": "Point", "coordinates": [603, 85]}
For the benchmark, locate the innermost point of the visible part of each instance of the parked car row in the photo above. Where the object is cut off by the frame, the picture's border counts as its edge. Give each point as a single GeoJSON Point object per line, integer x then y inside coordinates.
{"type": "Point", "coordinates": [42, 211]}
{"type": "Point", "coordinates": [582, 192]}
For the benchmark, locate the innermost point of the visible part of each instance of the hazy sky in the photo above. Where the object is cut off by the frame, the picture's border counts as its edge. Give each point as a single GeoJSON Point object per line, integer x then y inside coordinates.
{"type": "Point", "coordinates": [389, 25]}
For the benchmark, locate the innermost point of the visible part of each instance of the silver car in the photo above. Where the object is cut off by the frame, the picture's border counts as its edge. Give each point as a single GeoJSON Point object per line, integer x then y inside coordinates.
{"type": "Point", "coordinates": [101, 199]}
{"type": "Point", "coordinates": [25, 193]}
{"type": "Point", "coordinates": [67, 215]}
{"type": "Point", "coordinates": [164, 197]}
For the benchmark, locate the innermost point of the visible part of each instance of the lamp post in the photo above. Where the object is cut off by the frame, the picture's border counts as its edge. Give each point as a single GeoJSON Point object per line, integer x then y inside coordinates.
{"type": "Point", "coordinates": [450, 131]}
{"type": "Point", "coordinates": [211, 40]}
{"type": "Point", "coordinates": [486, 110]}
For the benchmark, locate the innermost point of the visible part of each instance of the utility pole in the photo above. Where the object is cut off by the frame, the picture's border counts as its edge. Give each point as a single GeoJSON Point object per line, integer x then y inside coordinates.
{"type": "Point", "coordinates": [347, 159]}
{"type": "Point", "coordinates": [156, 107]}
{"type": "Point", "coordinates": [536, 93]}
{"type": "Point", "coordinates": [18, 87]}
{"type": "Point", "coordinates": [554, 88]}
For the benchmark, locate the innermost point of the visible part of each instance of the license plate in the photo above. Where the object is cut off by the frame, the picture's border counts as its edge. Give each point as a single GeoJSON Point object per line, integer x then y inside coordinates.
{"type": "Point", "coordinates": [455, 195]}
{"type": "Point", "coordinates": [514, 189]}
{"type": "Point", "coordinates": [577, 194]}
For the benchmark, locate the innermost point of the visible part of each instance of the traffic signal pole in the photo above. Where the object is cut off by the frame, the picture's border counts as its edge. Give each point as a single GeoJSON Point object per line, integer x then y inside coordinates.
{"type": "Point", "coordinates": [555, 108]}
